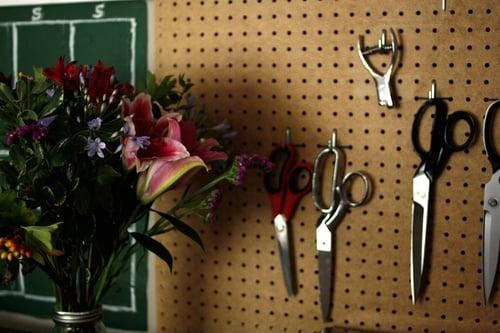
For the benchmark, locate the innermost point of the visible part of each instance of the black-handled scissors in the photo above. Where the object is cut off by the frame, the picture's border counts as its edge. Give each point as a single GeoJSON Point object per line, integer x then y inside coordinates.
{"type": "Point", "coordinates": [442, 145]}
{"type": "Point", "coordinates": [491, 204]}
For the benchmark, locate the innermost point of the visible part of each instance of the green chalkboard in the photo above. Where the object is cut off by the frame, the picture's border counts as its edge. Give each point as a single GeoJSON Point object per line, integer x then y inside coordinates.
{"type": "Point", "coordinates": [114, 32]}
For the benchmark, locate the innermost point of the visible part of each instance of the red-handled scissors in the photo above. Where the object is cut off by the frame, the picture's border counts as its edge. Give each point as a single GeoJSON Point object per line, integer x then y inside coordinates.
{"type": "Point", "coordinates": [286, 188]}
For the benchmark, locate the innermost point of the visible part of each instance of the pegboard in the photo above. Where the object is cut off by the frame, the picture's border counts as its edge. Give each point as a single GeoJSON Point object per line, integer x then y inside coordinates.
{"type": "Point", "coordinates": [266, 65]}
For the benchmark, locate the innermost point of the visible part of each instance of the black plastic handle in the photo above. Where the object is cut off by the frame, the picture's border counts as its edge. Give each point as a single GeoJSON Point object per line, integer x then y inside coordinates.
{"type": "Point", "coordinates": [282, 157]}
{"type": "Point", "coordinates": [489, 118]}
{"type": "Point", "coordinates": [452, 121]}
{"type": "Point", "coordinates": [438, 128]}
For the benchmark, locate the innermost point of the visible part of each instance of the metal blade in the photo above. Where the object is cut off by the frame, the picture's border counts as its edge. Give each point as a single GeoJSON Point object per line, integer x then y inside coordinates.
{"type": "Point", "coordinates": [325, 282]}
{"type": "Point", "coordinates": [324, 249]}
{"type": "Point", "coordinates": [419, 223]}
{"type": "Point", "coordinates": [491, 233]}
{"type": "Point", "coordinates": [281, 228]}
{"type": "Point", "coordinates": [491, 244]}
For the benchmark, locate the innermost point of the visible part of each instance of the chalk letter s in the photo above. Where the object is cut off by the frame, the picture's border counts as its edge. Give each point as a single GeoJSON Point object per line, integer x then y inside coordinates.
{"type": "Point", "coordinates": [36, 14]}
{"type": "Point", "coordinates": [99, 11]}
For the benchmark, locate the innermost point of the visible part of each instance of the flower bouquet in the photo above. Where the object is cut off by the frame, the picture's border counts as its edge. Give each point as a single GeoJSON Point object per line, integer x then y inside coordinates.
{"type": "Point", "coordinates": [87, 158]}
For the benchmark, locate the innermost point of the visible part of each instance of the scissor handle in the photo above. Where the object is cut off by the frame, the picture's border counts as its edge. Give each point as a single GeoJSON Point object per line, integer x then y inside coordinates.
{"type": "Point", "coordinates": [438, 128]}
{"type": "Point", "coordinates": [288, 152]}
{"type": "Point", "coordinates": [338, 171]}
{"type": "Point", "coordinates": [344, 186]}
{"type": "Point", "coordinates": [453, 119]}
{"type": "Point", "coordinates": [489, 118]}
{"type": "Point", "coordinates": [274, 182]}
{"type": "Point", "coordinates": [294, 191]}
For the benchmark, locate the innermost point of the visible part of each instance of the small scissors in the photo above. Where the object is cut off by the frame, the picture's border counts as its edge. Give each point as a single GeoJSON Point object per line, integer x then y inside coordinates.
{"type": "Point", "coordinates": [491, 205]}
{"type": "Point", "coordinates": [285, 190]}
{"type": "Point", "coordinates": [433, 163]}
{"type": "Point", "coordinates": [331, 215]}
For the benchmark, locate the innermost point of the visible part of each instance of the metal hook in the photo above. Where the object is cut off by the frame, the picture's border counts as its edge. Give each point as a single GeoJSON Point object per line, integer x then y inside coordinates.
{"type": "Point", "coordinates": [432, 94]}
{"type": "Point", "coordinates": [433, 91]}
{"type": "Point", "coordinates": [332, 143]}
{"type": "Point", "coordinates": [383, 82]}
{"type": "Point", "coordinates": [288, 136]}
{"type": "Point", "coordinates": [443, 4]}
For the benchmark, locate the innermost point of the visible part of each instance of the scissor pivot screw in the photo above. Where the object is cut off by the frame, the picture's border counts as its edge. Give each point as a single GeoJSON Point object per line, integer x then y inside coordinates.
{"type": "Point", "coordinates": [493, 202]}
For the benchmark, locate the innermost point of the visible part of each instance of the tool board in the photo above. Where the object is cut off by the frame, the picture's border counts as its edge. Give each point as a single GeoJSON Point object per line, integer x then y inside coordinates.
{"type": "Point", "coordinates": [271, 64]}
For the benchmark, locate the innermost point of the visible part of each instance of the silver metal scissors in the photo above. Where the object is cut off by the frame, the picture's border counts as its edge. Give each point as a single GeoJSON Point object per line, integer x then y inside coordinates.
{"type": "Point", "coordinates": [491, 205]}
{"type": "Point", "coordinates": [433, 162]}
{"type": "Point", "coordinates": [332, 214]}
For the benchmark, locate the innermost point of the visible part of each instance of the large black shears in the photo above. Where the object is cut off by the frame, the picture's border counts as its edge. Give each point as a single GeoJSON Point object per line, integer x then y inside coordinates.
{"type": "Point", "coordinates": [442, 145]}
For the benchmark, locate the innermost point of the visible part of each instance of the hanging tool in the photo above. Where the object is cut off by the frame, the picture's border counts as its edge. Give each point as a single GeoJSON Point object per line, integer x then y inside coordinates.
{"type": "Point", "coordinates": [491, 205]}
{"type": "Point", "coordinates": [442, 145]}
{"type": "Point", "coordinates": [382, 81]}
{"type": "Point", "coordinates": [331, 215]}
{"type": "Point", "coordinates": [285, 190]}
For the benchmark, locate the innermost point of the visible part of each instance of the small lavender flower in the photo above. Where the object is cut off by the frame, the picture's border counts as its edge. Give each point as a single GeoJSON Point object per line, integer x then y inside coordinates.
{"type": "Point", "coordinates": [95, 124]}
{"type": "Point", "coordinates": [262, 163]}
{"type": "Point", "coordinates": [45, 122]}
{"type": "Point", "coordinates": [221, 127]}
{"type": "Point", "coordinates": [94, 147]}
{"type": "Point", "coordinates": [142, 141]}
{"type": "Point", "coordinates": [126, 129]}
{"type": "Point", "coordinates": [50, 92]}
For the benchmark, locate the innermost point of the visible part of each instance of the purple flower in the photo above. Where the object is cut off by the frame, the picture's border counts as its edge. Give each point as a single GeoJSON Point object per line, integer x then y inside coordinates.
{"type": "Point", "coordinates": [142, 141]}
{"type": "Point", "coordinates": [238, 171]}
{"type": "Point", "coordinates": [25, 130]}
{"type": "Point", "coordinates": [95, 124]}
{"type": "Point", "coordinates": [126, 129]}
{"type": "Point", "coordinates": [94, 147]}
{"type": "Point", "coordinates": [11, 137]}
{"type": "Point", "coordinates": [45, 122]}
{"type": "Point", "coordinates": [212, 203]}
{"type": "Point", "coordinates": [222, 127]}
{"type": "Point", "coordinates": [39, 133]}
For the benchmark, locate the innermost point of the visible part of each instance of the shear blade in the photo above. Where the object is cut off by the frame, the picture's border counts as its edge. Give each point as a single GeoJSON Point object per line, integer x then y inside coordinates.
{"type": "Point", "coordinates": [419, 223]}
{"type": "Point", "coordinates": [491, 247]}
{"type": "Point", "coordinates": [281, 228]}
{"type": "Point", "coordinates": [325, 282]}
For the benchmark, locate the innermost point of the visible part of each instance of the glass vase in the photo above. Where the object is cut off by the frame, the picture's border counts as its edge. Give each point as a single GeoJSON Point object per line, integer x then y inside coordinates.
{"type": "Point", "coordinates": [71, 316]}
{"type": "Point", "coordinates": [79, 322]}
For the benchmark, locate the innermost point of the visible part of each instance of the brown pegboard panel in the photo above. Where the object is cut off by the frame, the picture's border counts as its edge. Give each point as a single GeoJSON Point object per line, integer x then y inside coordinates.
{"type": "Point", "coordinates": [266, 65]}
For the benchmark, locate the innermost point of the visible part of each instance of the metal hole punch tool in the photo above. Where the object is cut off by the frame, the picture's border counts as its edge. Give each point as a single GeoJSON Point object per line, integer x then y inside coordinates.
{"type": "Point", "coordinates": [434, 160]}
{"type": "Point", "coordinates": [491, 204]}
{"type": "Point", "coordinates": [286, 188]}
{"type": "Point", "coordinates": [382, 81]}
{"type": "Point", "coordinates": [332, 214]}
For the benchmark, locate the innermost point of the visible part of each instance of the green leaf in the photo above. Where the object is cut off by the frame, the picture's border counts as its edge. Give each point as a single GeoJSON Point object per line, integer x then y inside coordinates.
{"type": "Point", "coordinates": [82, 200]}
{"type": "Point", "coordinates": [29, 115]}
{"type": "Point", "coordinates": [48, 194]}
{"type": "Point", "coordinates": [59, 194]}
{"type": "Point", "coordinates": [13, 212]}
{"type": "Point", "coordinates": [6, 93]}
{"type": "Point", "coordinates": [182, 227]}
{"type": "Point", "coordinates": [22, 89]}
{"type": "Point", "coordinates": [39, 240]}
{"type": "Point", "coordinates": [106, 174]}
{"type": "Point", "coordinates": [17, 157]}
{"type": "Point", "coordinates": [53, 104]}
{"type": "Point", "coordinates": [165, 88]}
{"type": "Point", "coordinates": [154, 246]}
